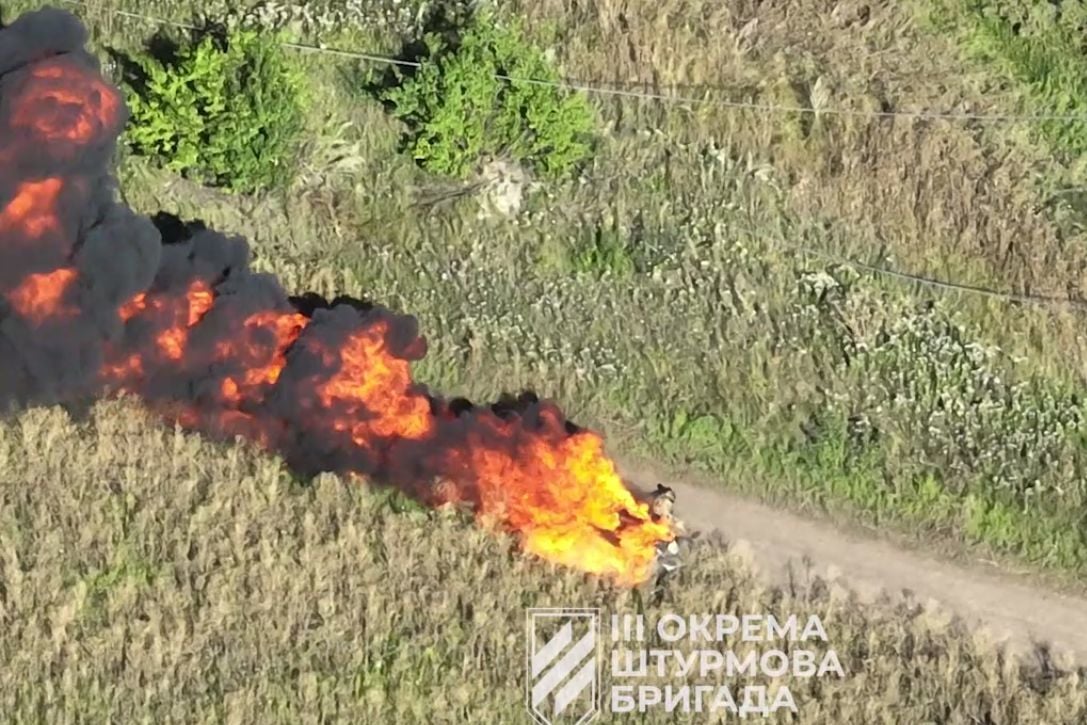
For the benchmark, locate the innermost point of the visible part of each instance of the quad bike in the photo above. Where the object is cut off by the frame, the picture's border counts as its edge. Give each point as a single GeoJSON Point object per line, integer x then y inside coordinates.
{"type": "Point", "coordinates": [661, 503]}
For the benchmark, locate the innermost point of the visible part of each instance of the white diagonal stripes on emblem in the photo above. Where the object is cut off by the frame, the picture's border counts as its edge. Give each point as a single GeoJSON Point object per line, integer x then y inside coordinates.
{"type": "Point", "coordinates": [550, 651]}
{"type": "Point", "coordinates": [563, 667]}
{"type": "Point", "coordinates": [573, 687]}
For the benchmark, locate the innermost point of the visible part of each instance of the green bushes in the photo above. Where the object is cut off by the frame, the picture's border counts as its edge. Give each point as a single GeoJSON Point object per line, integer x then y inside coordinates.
{"type": "Point", "coordinates": [471, 100]}
{"type": "Point", "coordinates": [226, 111]}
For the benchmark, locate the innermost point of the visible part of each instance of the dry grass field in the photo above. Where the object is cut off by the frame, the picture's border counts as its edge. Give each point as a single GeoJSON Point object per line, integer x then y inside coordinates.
{"type": "Point", "coordinates": [149, 576]}
{"type": "Point", "coordinates": [672, 296]}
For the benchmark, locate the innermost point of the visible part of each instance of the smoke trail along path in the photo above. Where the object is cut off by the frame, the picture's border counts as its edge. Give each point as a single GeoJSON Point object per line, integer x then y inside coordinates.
{"type": "Point", "coordinates": [95, 300]}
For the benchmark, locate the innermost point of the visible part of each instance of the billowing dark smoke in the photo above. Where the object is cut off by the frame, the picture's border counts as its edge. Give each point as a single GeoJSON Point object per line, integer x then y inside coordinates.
{"type": "Point", "coordinates": [96, 300]}
{"type": "Point", "coordinates": [57, 195]}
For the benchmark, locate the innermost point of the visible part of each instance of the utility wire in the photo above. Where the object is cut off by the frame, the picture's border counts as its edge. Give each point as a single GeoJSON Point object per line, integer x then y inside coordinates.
{"type": "Point", "coordinates": [673, 98]}
{"type": "Point", "coordinates": [1044, 300]}
{"type": "Point", "coordinates": [1024, 298]}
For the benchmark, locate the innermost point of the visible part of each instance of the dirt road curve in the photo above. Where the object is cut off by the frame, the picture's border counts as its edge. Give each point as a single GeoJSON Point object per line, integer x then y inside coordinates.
{"type": "Point", "coordinates": [1015, 611]}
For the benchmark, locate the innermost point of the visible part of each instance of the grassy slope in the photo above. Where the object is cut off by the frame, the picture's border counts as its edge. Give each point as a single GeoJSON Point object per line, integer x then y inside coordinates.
{"type": "Point", "coordinates": [662, 298]}
{"type": "Point", "coordinates": [1035, 53]}
{"type": "Point", "coordinates": [150, 576]}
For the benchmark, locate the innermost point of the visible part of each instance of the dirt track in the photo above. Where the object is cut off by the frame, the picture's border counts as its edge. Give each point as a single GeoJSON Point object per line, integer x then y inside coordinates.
{"type": "Point", "coordinates": [1014, 610]}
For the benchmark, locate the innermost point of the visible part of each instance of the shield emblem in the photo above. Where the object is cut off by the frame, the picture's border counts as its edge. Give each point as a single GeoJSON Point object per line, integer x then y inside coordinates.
{"type": "Point", "coordinates": [563, 666]}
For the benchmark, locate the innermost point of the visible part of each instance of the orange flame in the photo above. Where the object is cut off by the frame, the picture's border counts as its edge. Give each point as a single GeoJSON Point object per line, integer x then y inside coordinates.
{"type": "Point", "coordinates": [40, 296]}
{"type": "Point", "coordinates": [65, 102]}
{"type": "Point", "coordinates": [176, 315]}
{"type": "Point", "coordinates": [263, 367]}
{"type": "Point", "coordinates": [570, 505]}
{"type": "Point", "coordinates": [370, 379]}
{"type": "Point", "coordinates": [195, 305]}
{"type": "Point", "coordinates": [33, 210]}
{"type": "Point", "coordinates": [133, 307]}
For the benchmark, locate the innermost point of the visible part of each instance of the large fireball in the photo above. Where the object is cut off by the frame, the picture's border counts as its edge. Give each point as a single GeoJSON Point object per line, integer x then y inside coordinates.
{"type": "Point", "coordinates": [93, 302]}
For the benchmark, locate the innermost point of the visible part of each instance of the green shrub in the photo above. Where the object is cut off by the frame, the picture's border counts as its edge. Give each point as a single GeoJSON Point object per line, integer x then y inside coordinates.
{"type": "Point", "coordinates": [459, 110]}
{"type": "Point", "coordinates": [228, 112]}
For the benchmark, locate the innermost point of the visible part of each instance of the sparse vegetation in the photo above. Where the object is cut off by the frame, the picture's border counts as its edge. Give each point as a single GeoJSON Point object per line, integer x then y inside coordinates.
{"type": "Point", "coordinates": [226, 111]}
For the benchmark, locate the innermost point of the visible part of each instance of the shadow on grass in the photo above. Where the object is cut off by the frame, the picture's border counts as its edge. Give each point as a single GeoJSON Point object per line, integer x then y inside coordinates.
{"type": "Point", "coordinates": [444, 20]}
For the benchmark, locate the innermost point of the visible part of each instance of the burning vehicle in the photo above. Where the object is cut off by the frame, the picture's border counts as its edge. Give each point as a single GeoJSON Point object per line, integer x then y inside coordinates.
{"type": "Point", "coordinates": [97, 300]}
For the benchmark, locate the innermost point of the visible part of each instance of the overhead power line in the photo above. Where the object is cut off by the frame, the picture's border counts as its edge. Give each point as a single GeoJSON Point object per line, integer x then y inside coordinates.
{"type": "Point", "coordinates": [677, 98]}
{"type": "Point", "coordinates": [739, 105]}
{"type": "Point", "coordinates": [946, 285]}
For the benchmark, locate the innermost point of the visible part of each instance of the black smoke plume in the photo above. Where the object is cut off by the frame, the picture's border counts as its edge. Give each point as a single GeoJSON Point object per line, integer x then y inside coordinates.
{"type": "Point", "coordinates": [96, 300]}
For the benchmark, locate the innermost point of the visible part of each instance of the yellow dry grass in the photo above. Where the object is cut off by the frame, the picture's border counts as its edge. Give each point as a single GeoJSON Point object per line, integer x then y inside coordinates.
{"type": "Point", "coordinates": [147, 575]}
